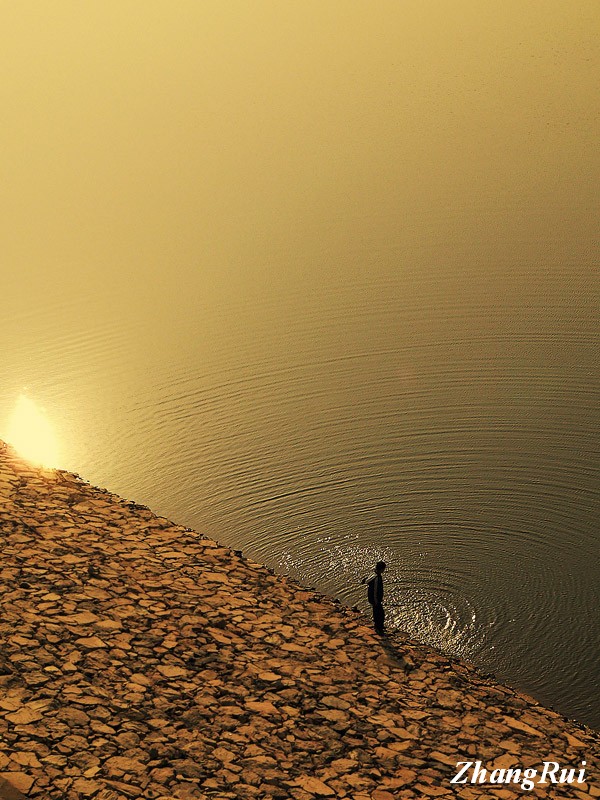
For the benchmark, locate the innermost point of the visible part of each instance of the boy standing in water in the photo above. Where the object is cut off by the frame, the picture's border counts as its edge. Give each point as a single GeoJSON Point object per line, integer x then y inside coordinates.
{"type": "Point", "coordinates": [375, 597]}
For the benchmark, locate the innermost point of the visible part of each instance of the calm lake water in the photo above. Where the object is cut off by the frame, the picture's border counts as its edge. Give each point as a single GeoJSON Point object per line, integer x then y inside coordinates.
{"type": "Point", "coordinates": [339, 308]}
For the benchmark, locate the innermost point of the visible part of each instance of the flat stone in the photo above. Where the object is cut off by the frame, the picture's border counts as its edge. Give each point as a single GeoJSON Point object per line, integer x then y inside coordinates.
{"type": "Point", "coordinates": [335, 702]}
{"type": "Point", "coordinates": [290, 647]}
{"type": "Point", "coordinates": [125, 789]}
{"type": "Point", "coordinates": [261, 707]}
{"type": "Point", "coordinates": [522, 726]}
{"type": "Point", "coordinates": [216, 577]}
{"type": "Point", "coordinates": [314, 787]}
{"type": "Point", "coordinates": [25, 758]}
{"type": "Point", "coordinates": [86, 787]}
{"type": "Point", "coordinates": [333, 715]}
{"type": "Point", "coordinates": [574, 741]}
{"type": "Point", "coordinates": [189, 768]}
{"type": "Point", "coordinates": [406, 775]}
{"type": "Point", "coordinates": [14, 785]}
{"type": "Point", "coordinates": [449, 698]}
{"type": "Point", "coordinates": [171, 671]}
{"type": "Point", "coordinates": [83, 618]}
{"type": "Point", "coordinates": [269, 676]}
{"type": "Point", "coordinates": [88, 700]}
{"type": "Point", "coordinates": [121, 765]}
{"type": "Point", "coordinates": [73, 716]}
{"type": "Point", "coordinates": [443, 758]}
{"type": "Point", "coordinates": [429, 790]}
{"type": "Point", "coordinates": [24, 716]}
{"type": "Point", "coordinates": [91, 642]}
{"type": "Point", "coordinates": [11, 703]}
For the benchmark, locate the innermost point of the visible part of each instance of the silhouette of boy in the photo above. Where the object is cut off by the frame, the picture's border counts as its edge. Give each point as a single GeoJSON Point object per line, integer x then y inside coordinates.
{"type": "Point", "coordinates": [375, 596]}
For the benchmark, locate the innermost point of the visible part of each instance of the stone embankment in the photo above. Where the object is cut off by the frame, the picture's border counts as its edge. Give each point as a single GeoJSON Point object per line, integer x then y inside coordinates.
{"type": "Point", "coordinates": [142, 660]}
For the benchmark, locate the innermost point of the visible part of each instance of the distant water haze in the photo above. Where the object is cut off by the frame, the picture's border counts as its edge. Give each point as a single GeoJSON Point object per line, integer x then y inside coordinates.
{"type": "Point", "coordinates": [320, 280]}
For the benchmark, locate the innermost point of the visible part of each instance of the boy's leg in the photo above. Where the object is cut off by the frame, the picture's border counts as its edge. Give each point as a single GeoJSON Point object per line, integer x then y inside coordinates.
{"type": "Point", "coordinates": [378, 618]}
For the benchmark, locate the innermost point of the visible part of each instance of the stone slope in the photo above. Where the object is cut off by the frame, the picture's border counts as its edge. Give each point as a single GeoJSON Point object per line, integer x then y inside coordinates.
{"type": "Point", "coordinates": [142, 660]}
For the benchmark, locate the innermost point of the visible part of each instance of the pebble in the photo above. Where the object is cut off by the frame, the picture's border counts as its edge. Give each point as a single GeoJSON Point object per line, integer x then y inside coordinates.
{"type": "Point", "coordinates": [141, 659]}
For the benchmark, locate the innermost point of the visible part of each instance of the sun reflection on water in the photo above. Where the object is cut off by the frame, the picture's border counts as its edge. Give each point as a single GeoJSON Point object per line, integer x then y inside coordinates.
{"type": "Point", "coordinates": [32, 435]}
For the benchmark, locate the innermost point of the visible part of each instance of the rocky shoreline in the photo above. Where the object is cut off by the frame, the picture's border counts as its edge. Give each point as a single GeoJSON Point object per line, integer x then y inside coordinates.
{"type": "Point", "coordinates": [142, 660]}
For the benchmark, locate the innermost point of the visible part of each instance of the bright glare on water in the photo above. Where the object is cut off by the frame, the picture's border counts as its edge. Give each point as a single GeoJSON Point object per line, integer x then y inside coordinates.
{"type": "Point", "coordinates": [32, 434]}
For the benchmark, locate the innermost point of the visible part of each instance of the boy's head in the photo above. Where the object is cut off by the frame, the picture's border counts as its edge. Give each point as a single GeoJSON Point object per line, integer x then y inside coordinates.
{"type": "Point", "coordinates": [380, 566]}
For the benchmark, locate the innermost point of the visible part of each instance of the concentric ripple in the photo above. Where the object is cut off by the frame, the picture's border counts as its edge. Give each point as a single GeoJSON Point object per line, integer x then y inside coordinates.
{"type": "Point", "coordinates": [432, 609]}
